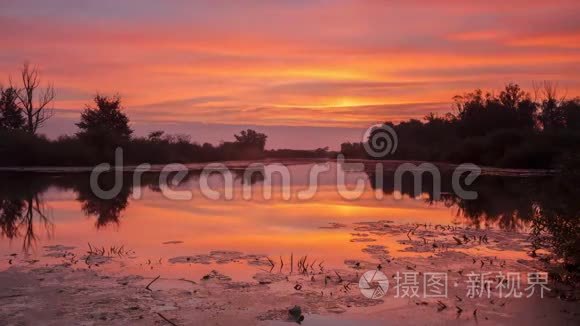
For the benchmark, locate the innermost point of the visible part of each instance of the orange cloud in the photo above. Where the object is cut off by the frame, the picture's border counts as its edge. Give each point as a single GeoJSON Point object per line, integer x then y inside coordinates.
{"type": "Point", "coordinates": [345, 64]}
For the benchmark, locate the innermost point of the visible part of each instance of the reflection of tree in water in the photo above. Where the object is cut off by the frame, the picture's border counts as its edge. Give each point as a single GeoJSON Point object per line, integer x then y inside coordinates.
{"type": "Point", "coordinates": [106, 211]}
{"type": "Point", "coordinates": [505, 202]}
{"type": "Point", "coordinates": [109, 211]}
{"type": "Point", "coordinates": [22, 210]}
{"type": "Point", "coordinates": [11, 212]}
{"type": "Point", "coordinates": [20, 197]}
{"type": "Point", "coordinates": [557, 220]}
{"type": "Point", "coordinates": [17, 218]}
{"type": "Point", "coordinates": [21, 206]}
{"type": "Point", "coordinates": [547, 206]}
{"type": "Point", "coordinates": [35, 207]}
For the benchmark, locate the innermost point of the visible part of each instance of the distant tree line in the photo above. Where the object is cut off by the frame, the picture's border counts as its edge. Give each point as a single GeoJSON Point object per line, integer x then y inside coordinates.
{"type": "Point", "coordinates": [511, 129]}
{"type": "Point", "coordinates": [104, 126]}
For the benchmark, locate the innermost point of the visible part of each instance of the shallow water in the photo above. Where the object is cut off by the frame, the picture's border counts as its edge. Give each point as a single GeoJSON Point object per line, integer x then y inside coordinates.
{"type": "Point", "coordinates": [54, 224]}
{"type": "Point", "coordinates": [157, 228]}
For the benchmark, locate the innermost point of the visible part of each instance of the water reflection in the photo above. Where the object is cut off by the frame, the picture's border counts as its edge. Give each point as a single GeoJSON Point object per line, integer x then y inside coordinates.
{"type": "Point", "coordinates": [18, 215]}
{"type": "Point", "coordinates": [22, 205]}
{"type": "Point", "coordinates": [547, 207]}
{"type": "Point", "coordinates": [506, 202]}
{"type": "Point", "coordinates": [21, 199]}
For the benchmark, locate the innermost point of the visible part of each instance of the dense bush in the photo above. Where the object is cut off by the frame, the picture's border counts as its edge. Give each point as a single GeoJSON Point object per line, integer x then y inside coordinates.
{"type": "Point", "coordinates": [507, 130]}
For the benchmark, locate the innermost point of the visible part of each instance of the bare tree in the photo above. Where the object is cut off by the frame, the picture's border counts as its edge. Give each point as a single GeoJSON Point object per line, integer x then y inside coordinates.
{"type": "Point", "coordinates": [548, 91]}
{"type": "Point", "coordinates": [552, 114]}
{"type": "Point", "coordinates": [33, 100]}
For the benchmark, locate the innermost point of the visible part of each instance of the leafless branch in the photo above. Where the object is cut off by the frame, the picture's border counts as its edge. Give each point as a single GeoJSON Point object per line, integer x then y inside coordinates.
{"type": "Point", "coordinates": [36, 115]}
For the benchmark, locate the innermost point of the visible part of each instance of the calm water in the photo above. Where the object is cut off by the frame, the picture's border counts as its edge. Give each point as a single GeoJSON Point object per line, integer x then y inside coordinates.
{"type": "Point", "coordinates": [38, 210]}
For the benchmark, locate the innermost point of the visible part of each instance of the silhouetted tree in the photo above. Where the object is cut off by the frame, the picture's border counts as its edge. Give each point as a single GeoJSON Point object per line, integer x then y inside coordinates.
{"type": "Point", "coordinates": [249, 144]}
{"type": "Point", "coordinates": [352, 150]}
{"type": "Point", "coordinates": [155, 136]}
{"type": "Point", "coordinates": [510, 129]}
{"type": "Point", "coordinates": [34, 101]}
{"type": "Point", "coordinates": [479, 114]}
{"type": "Point", "coordinates": [514, 99]}
{"type": "Point", "coordinates": [10, 114]}
{"type": "Point", "coordinates": [251, 139]}
{"type": "Point", "coordinates": [571, 112]}
{"type": "Point", "coordinates": [557, 113]}
{"type": "Point", "coordinates": [104, 126]}
{"type": "Point", "coordinates": [550, 115]}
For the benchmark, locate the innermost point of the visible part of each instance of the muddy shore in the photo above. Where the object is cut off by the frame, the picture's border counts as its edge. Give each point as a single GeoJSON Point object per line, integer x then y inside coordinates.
{"type": "Point", "coordinates": [77, 286]}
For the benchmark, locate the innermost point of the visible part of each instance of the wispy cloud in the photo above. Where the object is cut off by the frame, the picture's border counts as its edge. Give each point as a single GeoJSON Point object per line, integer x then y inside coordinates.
{"type": "Point", "coordinates": [295, 63]}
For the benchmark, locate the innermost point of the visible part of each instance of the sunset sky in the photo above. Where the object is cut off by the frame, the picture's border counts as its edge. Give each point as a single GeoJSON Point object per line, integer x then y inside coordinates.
{"type": "Point", "coordinates": [308, 73]}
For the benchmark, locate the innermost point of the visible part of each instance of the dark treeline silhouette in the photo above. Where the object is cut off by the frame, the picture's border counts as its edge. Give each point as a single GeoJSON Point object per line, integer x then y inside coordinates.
{"type": "Point", "coordinates": [288, 153]}
{"type": "Point", "coordinates": [104, 126]}
{"type": "Point", "coordinates": [510, 129]}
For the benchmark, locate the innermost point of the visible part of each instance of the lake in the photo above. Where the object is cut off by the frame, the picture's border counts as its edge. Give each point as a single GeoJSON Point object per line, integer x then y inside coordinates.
{"type": "Point", "coordinates": [152, 229]}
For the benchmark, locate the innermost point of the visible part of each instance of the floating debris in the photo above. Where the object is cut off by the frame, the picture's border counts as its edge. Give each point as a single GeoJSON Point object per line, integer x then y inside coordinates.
{"type": "Point", "coordinates": [172, 242]}
{"type": "Point", "coordinates": [333, 225]}
{"type": "Point", "coordinates": [296, 314]}
{"type": "Point", "coordinates": [155, 279]}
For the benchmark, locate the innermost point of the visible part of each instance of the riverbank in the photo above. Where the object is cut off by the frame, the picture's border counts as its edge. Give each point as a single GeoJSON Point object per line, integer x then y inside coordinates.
{"type": "Point", "coordinates": [369, 166]}
{"type": "Point", "coordinates": [70, 285]}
